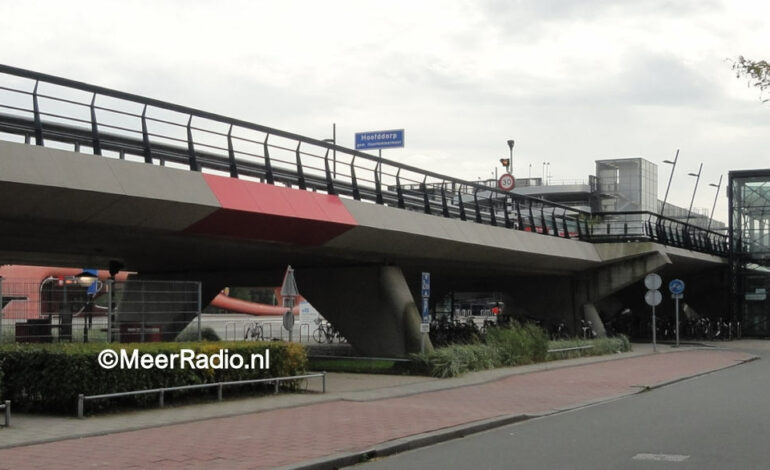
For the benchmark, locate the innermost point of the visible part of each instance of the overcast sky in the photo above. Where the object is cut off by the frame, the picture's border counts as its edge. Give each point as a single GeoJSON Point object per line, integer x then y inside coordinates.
{"type": "Point", "coordinates": [570, 81]}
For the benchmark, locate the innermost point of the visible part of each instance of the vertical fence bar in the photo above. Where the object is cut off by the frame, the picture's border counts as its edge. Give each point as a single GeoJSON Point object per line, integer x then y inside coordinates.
{"type": "Point", "coordinates": [399, 192]}
{"type": "Point", "coordinates": [425, 200]}
{"type": "Point", "coordinates": [461, 204]}
{"type": "Point", "coordinates": [353, 180]}
{"type": "Point", "coordinates": [268, 166]}
{"type": "Point", "coordinates": [329, 179]}
{"type": "Point", "coordinates": [219, 392]}
{"type": "Point", "coordinates": [200, 314]}
{"type": "Point", "coordinates": [36, 111]}
{"type": "Point", "coordinates": [323, 382]}
{"type": "Point", "coordinates": [161, 400]}
{"type": "Point", "coordinates": [378, 184]}
{"type": "Point", "coordinates": [7, 413]}
{"type": "Point", "coordinates": [492, 216]}
{"type": "Point", "coordinates": [476, 205]}
{"type": "Point", "coordinates": [110, 311]}
{"type": "Point", "coordinates": [444, 204]}
{"type": "Point", "coordinates": [95, 129]}
{"type": "Point", "coordinates": [192, 159]}
{"type": "Point", "coordinates": [508, 223]}
{"type": "Point", "coordinates": [518, 216]}
{"type": "Point", "coordinates": [300, 172]}
{"type": "Point", "coordinates": [146, 138]}
{"type": "Point", "coordinates": [231, 153]}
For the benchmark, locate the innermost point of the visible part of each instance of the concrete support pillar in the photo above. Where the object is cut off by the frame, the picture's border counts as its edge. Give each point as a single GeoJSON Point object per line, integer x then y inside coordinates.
{"type": "Point", "coordinates": [371, 306]}
{"type": "Point", "coordinates": [592, 314]}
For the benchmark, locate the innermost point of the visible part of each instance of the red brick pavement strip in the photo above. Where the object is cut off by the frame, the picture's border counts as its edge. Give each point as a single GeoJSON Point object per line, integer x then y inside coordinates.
{"type": "Point", "coordinates": [293, 435]}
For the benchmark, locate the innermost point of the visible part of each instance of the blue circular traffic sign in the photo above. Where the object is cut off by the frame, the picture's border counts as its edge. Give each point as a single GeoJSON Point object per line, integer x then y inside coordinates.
{"type": "Point", "coordinates": [676, 286]}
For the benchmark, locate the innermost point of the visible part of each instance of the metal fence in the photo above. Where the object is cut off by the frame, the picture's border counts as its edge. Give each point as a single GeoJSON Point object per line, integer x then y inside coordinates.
{"type": "Point", "coordinates": [57, 310]}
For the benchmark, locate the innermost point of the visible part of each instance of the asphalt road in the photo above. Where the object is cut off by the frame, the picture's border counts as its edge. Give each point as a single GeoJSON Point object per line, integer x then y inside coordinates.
{"type": "Point", "coordinates": [717, 421]}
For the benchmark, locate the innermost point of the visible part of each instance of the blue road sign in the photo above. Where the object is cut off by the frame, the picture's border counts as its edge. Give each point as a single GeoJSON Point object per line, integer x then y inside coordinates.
{"type": "Point", "coordinates": [676, 286]}
{"type": "Point", "coordinates": [425, 310]}
{"type": "Point", "coordinates": [425, 285]}
{"type": "Point", "coordinates": [93, 289]}
{"type": "Point", "coordinates": [380, 139]}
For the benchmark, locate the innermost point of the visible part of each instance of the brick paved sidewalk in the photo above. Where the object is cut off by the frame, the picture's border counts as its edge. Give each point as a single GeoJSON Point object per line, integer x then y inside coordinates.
{"type": "Point", "coordinates": [293, 435]}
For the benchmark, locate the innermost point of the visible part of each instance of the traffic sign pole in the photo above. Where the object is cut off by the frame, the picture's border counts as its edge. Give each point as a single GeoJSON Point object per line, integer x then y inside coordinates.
{"type": "Point", "coordinates": [676, 302]}
{"type": "Point", "coordinates": [654, 349]}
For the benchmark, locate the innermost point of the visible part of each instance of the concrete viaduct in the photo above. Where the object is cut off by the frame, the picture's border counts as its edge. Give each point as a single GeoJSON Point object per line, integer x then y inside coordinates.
{"type": "Point", "coordinates": [357, 262]}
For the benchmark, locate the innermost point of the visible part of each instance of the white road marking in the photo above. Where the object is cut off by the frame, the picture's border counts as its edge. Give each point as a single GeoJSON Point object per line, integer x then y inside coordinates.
{"type": "Point", "coordinates": [662, 457]}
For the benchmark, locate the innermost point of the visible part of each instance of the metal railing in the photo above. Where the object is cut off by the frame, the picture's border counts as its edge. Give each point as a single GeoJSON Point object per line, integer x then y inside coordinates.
{"type": "Point", "coordinates": [220, 385]}
{"type": "Point", "coordinates": [110, 123]}
{"type": "Point", "coordinates": [648, 226]}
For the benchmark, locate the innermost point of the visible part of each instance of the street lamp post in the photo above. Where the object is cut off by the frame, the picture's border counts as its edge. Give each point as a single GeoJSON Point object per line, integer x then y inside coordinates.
{"type": "Point", "coordinates": [670, 177]}
{"type": "Point", "coordinates": [716, 196]}
{"type": "Point", "coordinates": [697, 179]}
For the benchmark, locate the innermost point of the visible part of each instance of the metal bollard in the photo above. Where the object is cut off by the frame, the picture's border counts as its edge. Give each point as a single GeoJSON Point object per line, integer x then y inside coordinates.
{"type": "Point", "coordinates": [276, 386]}
{"type": "Point", "coordinates": [7, 413]}
{"type": "Point", "coordinates": [81, 399]}
{"type": "Point", "coordinates": [219, 392]}
{"type": "Point", "coordinates": [323, 382]}
{"type": "Point", "coordinates": [161, 399]}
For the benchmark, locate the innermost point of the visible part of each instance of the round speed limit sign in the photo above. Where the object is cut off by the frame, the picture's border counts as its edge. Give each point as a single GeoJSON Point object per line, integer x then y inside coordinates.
{"type": "Point", "coordinates": [506, 182]}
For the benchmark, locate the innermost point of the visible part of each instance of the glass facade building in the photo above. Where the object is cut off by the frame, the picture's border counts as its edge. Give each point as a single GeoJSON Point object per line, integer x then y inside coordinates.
{"type": "Point", "coordinates": [749, 225]}
{"type": "Point", "coordinates": [632, 183]}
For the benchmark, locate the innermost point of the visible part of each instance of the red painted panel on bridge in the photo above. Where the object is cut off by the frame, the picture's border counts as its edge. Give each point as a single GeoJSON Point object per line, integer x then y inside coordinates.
{"type": "Point", "coordinates": [265, 212]}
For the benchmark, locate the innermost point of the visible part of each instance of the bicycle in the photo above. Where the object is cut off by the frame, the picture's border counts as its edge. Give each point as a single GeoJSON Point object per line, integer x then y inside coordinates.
{"type": "Point", "coordinates": [254, 332]}
{"type": "Point", "coordinates": [324, 333]}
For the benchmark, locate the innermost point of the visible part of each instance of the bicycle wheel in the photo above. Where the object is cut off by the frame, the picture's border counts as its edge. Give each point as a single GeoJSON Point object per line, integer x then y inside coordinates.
{"type": "Point", "coordinates": [317, 335]}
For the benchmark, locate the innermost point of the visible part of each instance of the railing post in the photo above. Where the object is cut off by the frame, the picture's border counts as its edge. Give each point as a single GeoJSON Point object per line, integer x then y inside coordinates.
{"type": "Point", "coordinates": [7, 413]}
{"type": "Point", "coordinates": [36, 111]}
{"type": "Point", "coordinates": [219, 392]}
{"type": "Point", "coordinates": [399, 192]}
{"type": "Point", "coordinates": [476, 204]}
{"type": "Point", "coordinates": [231, 153]}
{"type": "Point", "coordinates": [378, 183]}
{"type": "Point", "coordinates": [81, 399]}
{"type": "Point", "coordinates": [323, 382]}
{"type": "Point", "coordinates": [531, 219]}
{"type": "Point", "coordinates": [461, 205]}
{"type": "Point", "coordinates": [146, 138]}
{"type": "Point", "coordinates": [543, 222]}
{"type": "Point", "coordinates": [425, 199]}
{"type": "Point", "coordinates": [276, 385]}
{"type": "Point", "coordinates": [508, 223]}
{"type": "Point", "coordinates": [95, 129]}
{"type": "Point", "coordinates": [444, 204]}
{"type": "Point", "coordinates": [300, 171]}
{"type": "Point", "coordinates": [518, 215]}
{"type": "Point", "coordinates": [268, 165]}
{"type": "Point", "coordinates": [492, 217]}
{"type": "Point", "coordinates": [353, 180]}
{"type": "Point", "coordinates": [160, 399]}
{"type": "Point", "coordinates": [329, 179]}
{"type": "Point", "coordinates": [193, 161]}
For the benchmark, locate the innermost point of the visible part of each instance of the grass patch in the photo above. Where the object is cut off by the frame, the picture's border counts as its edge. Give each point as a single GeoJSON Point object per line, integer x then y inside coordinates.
{"type": "Point", "coordinates": [600, 347]}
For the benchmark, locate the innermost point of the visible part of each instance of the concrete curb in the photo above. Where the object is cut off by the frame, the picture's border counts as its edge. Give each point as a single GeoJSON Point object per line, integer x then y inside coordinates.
{"type": "Point", "coordinates": [404, 444]}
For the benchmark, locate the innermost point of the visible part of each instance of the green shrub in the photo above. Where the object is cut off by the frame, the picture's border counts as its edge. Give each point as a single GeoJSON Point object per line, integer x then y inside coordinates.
{"type": "Point", "coordinates": [190, 334]}
{"type": "Point", "coordinates": [519, 344]}
{"type": "Point", "coordinates": [456, 359]}
{"type": "Point", "coordinates": [50, 377]}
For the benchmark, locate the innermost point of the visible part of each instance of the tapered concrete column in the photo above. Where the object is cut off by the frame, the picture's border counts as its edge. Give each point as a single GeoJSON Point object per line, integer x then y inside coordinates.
{"type": "Point", "coordinates": [371, 306]}
{"type": "Point", "coordinates": [592, 314]}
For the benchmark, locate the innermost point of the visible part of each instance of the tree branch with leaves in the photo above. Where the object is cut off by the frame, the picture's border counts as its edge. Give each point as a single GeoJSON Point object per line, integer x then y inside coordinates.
{"type": "Point", "coordinates": [756, 74]}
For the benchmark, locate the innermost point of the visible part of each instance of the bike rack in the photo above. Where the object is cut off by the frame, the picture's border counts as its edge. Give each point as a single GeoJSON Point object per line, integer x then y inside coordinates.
{"type": "Point", "coordinates": [235, 329]}
{"type": "Point", "coordinates": [308, 331]}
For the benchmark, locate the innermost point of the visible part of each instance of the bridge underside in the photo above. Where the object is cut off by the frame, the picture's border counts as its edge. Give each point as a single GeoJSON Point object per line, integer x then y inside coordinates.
{"type": "Point", "coordinates": [357, 262]}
